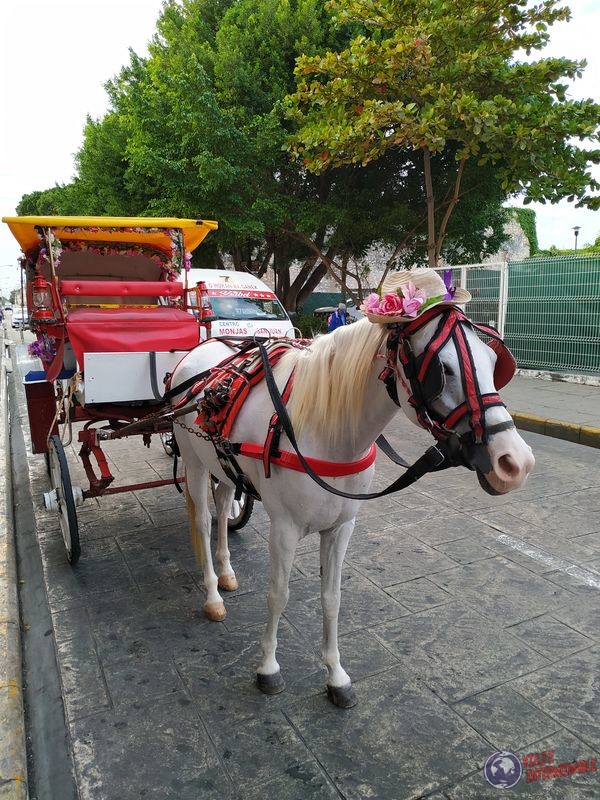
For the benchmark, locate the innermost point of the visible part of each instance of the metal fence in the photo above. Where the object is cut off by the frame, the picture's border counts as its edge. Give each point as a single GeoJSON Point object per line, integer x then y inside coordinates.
{"type": "Point", "coordinates": [487, 284]}
{"type": "Point", "coordinates": [553, 314]}
{"type": "Point", "coordinates": [547, 309]}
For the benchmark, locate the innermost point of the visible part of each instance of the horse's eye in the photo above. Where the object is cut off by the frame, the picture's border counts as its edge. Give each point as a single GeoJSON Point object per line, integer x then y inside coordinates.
{"type": "Point", "coordinates": [448, 371]}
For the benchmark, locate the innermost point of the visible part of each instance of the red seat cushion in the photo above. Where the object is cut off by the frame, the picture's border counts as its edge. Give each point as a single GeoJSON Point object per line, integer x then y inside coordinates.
{"type": "Point", "coordinates": [130, 330]}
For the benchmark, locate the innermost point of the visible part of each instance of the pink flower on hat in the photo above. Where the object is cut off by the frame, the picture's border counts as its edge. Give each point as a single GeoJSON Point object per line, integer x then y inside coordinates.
{"type": "Point", "coordinates": [404, 302]}
{"type": "Point", "coordinates": [391, 304]}
{"type": "Point", "coordinates": [371, 304]}
{"type": "Point", "coordinates": [413, 299]}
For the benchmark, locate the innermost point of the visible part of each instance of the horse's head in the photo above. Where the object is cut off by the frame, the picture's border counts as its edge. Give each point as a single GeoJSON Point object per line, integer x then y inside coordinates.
{"type": "Point", "coordinates": [450, 379]}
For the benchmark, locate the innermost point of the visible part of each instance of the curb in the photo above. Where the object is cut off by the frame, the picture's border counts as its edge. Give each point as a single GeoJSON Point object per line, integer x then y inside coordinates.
{"type": "Point", "coordinates": [13, 754]}
{"type": "Point", "coordinates": [569, 431]}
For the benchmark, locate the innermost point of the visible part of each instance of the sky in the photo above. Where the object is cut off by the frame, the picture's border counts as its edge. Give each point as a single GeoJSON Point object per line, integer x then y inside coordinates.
{"type": "Point", "coordinates": [55, 58]}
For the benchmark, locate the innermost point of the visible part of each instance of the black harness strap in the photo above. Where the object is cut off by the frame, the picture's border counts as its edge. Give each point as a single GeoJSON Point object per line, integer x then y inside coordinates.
{"type": "Point", "coordinates": [434, 459]}
{"type": "Point", "coordinates": [246, 344]}
{"type": "Point", "coordinates": [385, 447]}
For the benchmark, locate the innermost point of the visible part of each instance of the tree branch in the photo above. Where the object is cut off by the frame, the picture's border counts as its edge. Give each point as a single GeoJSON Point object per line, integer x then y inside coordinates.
{"type": "Point", "coordinates": [449, 210]}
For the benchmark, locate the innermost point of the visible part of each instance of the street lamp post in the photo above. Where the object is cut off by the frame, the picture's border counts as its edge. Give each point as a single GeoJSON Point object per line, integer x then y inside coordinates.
{"type": "Point", "coordinates": [576, 230]}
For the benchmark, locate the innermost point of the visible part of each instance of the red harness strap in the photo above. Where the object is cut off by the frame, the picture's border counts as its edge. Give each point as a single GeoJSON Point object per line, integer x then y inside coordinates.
{"type": "Point", "coordinates": [225, 391]}
{"type": "Point", "coordinates": [227, 388]}
{"type": "Point", "coordinates": [328, 469]}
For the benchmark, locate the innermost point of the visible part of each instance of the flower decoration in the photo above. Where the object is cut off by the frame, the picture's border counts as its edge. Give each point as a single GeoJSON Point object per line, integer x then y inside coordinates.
{"type": "Point", "coordinates": [408, 301]}
{"type": "Point", "coordinates": [51, 247]}
{"type": "Point", "coordinates": [43, 348]}
{"type": "Point", "coordinates": [450, 290]}
{"type": "Point", "coordinates": [171, 266]}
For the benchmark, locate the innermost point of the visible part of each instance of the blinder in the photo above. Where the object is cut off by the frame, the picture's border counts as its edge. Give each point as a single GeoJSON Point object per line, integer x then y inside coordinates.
{"type": "Point", "coordinates": [434, 380]}
{"type": "Point", "coordinates": [427, 378]}
{"type": "Point", "coordinates": [431, 384]}
{"type": "Point", "coordinates": [506, 364]}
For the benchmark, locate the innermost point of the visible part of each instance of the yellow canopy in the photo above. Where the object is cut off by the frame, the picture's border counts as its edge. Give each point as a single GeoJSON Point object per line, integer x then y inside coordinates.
{"type": "Point", "coordinates": [106, 229]}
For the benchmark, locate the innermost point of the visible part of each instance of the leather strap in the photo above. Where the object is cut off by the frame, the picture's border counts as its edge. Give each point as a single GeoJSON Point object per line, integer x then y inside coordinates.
{"type": "Point", "coordinates": [435, 458]}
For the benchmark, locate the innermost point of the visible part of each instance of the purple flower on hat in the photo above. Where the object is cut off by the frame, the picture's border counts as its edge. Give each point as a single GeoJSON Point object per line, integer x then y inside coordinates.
{"type": "Point", "coordinates": [450, 290]}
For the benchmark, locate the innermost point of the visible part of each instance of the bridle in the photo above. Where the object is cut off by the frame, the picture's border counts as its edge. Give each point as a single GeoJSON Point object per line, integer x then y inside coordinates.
{"type": "Point", "coordinates": [426, 381]}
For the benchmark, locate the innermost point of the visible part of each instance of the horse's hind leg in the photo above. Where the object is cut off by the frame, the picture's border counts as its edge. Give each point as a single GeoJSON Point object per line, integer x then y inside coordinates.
{"type": "Point", "coordinates": [283, 540]}
{"type": "Point", "coordinates": [223, 500]}
{"type": "Point", "coordinates": [196, 490]}
{"type": "Point", "coordinates": [333, 549]}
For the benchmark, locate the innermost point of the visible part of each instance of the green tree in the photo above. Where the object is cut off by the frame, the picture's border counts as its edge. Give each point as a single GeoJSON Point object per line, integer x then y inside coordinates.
{"type": "Point", "coordinates": [427, 75]}
{"type": "Point", "coordinates": [60, 199]}
{"type": "Point", "coordinates": [200, 127]}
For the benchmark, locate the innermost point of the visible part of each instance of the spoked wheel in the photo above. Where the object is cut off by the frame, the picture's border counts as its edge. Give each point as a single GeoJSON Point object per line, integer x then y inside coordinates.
{"type": "Point", "coordinates": [64, 502]}
{"type": "Point", "coordinates": [241, 510]}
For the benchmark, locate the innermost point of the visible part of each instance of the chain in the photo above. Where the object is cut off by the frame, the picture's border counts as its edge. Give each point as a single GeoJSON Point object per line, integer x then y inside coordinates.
{"type": "Point", "coordinates": [197, 431]}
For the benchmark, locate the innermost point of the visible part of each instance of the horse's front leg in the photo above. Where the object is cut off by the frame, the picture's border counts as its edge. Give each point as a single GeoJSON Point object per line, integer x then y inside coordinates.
{"type": "Point", "coordinates": [283, 540]}
{"type": "Point", "coordinates": [196, 495]}
{"type": "Point", "coordinates": [223, 500]}
{"type": "Point", "coordinates": [334, 543]}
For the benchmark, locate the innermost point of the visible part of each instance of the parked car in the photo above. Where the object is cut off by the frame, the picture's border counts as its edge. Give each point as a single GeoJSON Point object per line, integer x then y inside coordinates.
{"type": "Point", "coordinates": [20, 318]}
{"type": "Point", "coordinates": [324, 311]}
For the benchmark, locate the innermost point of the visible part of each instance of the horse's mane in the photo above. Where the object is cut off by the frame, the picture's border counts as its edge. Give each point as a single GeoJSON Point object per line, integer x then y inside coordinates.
{"type": "Point", "coordinates": [331, 379]}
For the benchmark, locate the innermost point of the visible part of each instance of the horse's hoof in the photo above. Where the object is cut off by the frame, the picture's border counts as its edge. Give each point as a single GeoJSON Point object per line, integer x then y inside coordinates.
{"type": "Point", "coordinates": [228, 583]}
{"type": "Point", "coordinates": [215, 611]}
{"type": "Point", "coordinates": [270, 684]}
{"type": "Point", "coordinates": [342, 696]}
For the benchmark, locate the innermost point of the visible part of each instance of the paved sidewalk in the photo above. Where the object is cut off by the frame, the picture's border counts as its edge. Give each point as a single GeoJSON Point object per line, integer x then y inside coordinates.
{"type": "Point", "coordinates": [564, 410]}
{"type": "Point", "coordinates": [468, 625]}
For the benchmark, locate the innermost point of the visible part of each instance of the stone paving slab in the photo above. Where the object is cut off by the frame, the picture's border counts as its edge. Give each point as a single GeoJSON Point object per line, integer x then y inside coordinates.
{"type": "Point", "coordinates": [458, 643]}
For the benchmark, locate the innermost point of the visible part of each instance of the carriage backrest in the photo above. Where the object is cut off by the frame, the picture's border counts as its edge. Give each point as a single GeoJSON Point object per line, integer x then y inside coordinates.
{"type": "Point", "coordinates": [102, 292]}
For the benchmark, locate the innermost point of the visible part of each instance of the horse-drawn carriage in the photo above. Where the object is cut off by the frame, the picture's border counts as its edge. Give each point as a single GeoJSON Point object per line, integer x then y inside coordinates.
{"type": "Point", "coordinates": [289, 421]}
{"type": "Point", "coordinates": [108, 300]}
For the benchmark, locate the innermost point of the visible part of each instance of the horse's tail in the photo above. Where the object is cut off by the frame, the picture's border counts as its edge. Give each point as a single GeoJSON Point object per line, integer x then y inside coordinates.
{"type": "Point", "coordinates": [194, 535]}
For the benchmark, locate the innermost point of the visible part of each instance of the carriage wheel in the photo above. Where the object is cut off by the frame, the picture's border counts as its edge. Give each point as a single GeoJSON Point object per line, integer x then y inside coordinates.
{"type": "Point", "coordinates": [61, 484]}
{"type": "Point", "coordinates": [241, 510]}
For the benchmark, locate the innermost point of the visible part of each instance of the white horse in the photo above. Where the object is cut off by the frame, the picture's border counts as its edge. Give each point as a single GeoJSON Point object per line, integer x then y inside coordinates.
{"type": "Point", "coordinates": [338, 407]}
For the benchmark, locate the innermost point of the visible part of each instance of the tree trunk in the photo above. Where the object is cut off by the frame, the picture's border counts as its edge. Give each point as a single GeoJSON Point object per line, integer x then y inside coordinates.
{"type": "Point", "coordinates": [265, 262]}
{"type": "Point", "coordinates": [281, 272]}
{"type": "Point", "coordinates": [430, 208]}
{"type": "Point", "coordinates": [344, 275]}
{"type": "Point", "coordinates": [449, 210]}
{"type": "Point", "coordinates": [303, 275]}
{"type": "Point", "coordinates": [311, 284]}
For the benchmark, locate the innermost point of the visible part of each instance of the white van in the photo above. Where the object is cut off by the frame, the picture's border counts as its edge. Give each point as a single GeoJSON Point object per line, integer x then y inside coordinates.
{"type": "Point", "coordinates": [229, 303]}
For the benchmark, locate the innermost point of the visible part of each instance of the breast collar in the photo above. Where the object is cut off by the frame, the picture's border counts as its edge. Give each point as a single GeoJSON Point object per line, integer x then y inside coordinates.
{"type": "Point", "coordinates": [426, 375]}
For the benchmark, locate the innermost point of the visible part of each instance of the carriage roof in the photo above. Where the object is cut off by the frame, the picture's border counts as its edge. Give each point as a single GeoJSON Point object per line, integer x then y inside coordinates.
{"type": "Point", "coordinates": [149, 231]}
